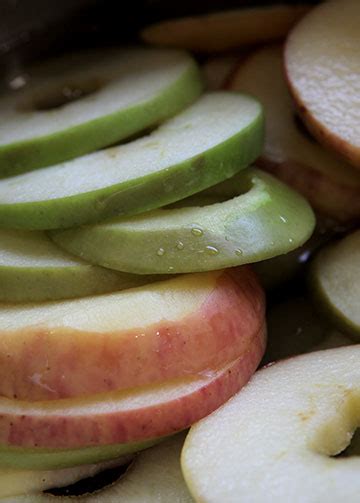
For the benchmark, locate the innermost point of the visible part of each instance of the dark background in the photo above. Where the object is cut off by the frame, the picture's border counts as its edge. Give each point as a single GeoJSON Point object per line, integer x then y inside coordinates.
{"type": "Point", "coordinates": [35, 29]}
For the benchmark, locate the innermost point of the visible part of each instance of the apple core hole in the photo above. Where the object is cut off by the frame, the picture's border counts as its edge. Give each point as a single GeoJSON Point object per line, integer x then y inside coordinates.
{"type": "Point", "coordinates": [353, 449]}
{"type": "Point", "coordinates": [56, 97]}
{"type": "Point", "coordinates": [92, 484]}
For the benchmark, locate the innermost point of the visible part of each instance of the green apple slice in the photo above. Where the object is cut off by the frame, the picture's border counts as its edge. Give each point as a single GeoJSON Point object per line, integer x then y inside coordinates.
{"type": "Point", "coordinates": [26, 482]}
{"type": "Point", "coordinates": [335, 278]}
{"type": "Point", "coordinates": [153, 477]}
{"type": "Point", "coordinates": [57, 459]}
{"type": "Point", "coordinates": [213, 139]}
{"type": "Point", "coordinates": [277, 440]}
{"type": "Point", "coordinates": [253, 217]}
{"type": "Point", "coordinates": [82, 102]}
{"type": "Point", "coordinates": [33, 269]}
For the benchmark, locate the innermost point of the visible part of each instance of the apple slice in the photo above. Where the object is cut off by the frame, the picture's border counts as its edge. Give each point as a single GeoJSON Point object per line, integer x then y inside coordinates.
{"type": "Point", "coordinates": [153, 477]}
{"type": "Point", "coordinates": [220, 31]}
{"type": "Point", "coordinates": [133, 415]}
{"type": "Point", "coordinates": [210, 141]}
{"type": "Point", "coordinates": [331, 186]}
{"type": "Point", "coordinates": [324, 77]}
{"type": "Point", "coordinates": [33, 269]}
{"type": "Point", "coordinates": [81, 102]}
{"type": "Point", "coordinates": [253, 217]}
{"type": "Point", "coordinates": [180, 327]}
{"type": "Point", "coordinates": [217, 70]}
{"type": "Point", "coordinates": [274, 440]}
{"type": "Point", "coordinates": [336, 282]}
{"type": "Point", "coordinates": [27, 482]}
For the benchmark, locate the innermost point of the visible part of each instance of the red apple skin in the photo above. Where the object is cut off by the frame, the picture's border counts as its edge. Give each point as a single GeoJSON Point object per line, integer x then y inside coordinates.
{"type": "Point", "coordinates": [327, 196]}
{"type": "Point", "coordinates": [49, 364]}
{"type": "Point", "coordinates": [151, 413]}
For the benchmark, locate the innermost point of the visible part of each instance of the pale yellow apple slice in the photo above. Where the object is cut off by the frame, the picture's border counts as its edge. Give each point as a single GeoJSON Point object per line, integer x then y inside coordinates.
{"type": "Point", "coordinates": [323, 69]}
{"type": "Point", "coordinates": [153, 477]}
{"type": "Point", "coordinates": [20, 482]}
{"type": "Point", "coordinates": [166, 330]}
{"type": "Point", "coordinates": [33, 269]}
{"type": "Point", "coordinates": [81, 102]}
{"type": "Point", "coordinates": [331, 185]}
{"type": "Point", "coordinates": [127, 416]}
{"type": "Point", "coordinates": [335, 278]}
{"type": "Point", "coordinates": [221, 31]}
{"type": "Point", "coordinates": [217, 70]}
{"type": "Point", "coordinates": [274, 441]}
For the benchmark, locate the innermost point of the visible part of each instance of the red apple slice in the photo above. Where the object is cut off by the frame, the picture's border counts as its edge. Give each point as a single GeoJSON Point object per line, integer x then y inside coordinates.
{"type": "Point", "coordinates": [323, 68]}
{"type": "Point", "coordinates": [332, 186]}
{"type": "Point", "coordinates": [175, 328]}
{"type": "Point", "coordinates": [220, 31]}
{"type": "Point", "coordinates": [126, 416]}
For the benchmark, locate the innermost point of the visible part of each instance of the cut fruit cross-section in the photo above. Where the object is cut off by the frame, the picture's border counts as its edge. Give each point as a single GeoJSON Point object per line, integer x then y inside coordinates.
{"type": "Point", "coordinates": [221, 31]}
{"type": "Point", "coordinates": [81, 102]}
{"type": "Point", "coordinates": [276, 439]}
{"type": "Point", "coordinates": [33, 269]}
{"type": "Point", "coordinates": [332, 186]}
{"type": "Point", "coordinates": [177, 328]}
{"type": "Point", "coordinates": [153, 477]}
{"type": "Point", "coordinates": [335, 279]}
{"type": "Point", "coordinates": [323, 69]}
{"type": "Point", "coordinates": [212, 140]}
{"type": "Point", "coordinates": [253, 217]}
{"type": "Point", "coordinates": [134, 415]}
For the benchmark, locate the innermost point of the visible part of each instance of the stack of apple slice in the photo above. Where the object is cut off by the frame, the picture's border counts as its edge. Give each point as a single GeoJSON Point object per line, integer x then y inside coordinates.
{"type": "Point", "coordinates": [128, 310]}
{"type": "Point", "coordinates": [100, 354]}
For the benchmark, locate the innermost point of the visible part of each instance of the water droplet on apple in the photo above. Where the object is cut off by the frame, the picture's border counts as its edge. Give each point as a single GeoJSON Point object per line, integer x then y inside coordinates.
{"type": "Point", "coordinates": [211, 250]}
{"type": "Point", "coordinates": [197, 231]}
{"type": "Point", "coordinates": [239, 252]}
{"type": "Point", "coordinates": [160, 252]}
{"type": "Point", "coordinates": [180, 245]}
{"type": "Point", "coordinates": [283, 219]}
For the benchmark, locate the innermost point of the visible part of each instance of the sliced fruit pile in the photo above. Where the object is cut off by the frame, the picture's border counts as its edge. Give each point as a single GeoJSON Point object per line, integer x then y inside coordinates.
{"type": "Point", "coordinates": [132, 204]}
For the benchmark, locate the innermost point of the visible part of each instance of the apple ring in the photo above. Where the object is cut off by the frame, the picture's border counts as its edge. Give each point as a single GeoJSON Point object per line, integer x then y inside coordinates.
{"type": "Point", "coordinates": [274, 441]}
{"type": "Point", "coordinates": [253, 217]}
{"type": "Point", "coordinates": [81, 102]}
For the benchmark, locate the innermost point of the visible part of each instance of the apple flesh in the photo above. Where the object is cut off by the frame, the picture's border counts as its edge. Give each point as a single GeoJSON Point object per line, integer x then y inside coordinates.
{"type": "Point", "coordinates": [154, 476]}
{"type": "Point", "coordinates": [210, 141]}
{"type": "Point", "coordinates": [180, 327]}
{"type": "Point", "coordinates": [279, 433]}
{"type": "Point", "coordinates": [324, 78]}
{"type": "Point", "coordinates": [33, 269]}
{"type": "Point", "coordinates": [331, 186]}
{"type": "Point", "coordinates": [27, 482]}
{"type": "Point", "coordinates": [221, 31]}
{"type": "Point", "coordinates": [253, 217]}
{"type": "Point", "coordinates": [126, 416]}
{"type": "Point", "coordinates": [79, 103]}
{"type": "Point", "coordinates": [335, 282]}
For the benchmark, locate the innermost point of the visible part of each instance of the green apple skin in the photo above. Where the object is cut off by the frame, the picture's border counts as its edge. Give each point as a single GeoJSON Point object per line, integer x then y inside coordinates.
{"type": "Point", "coordinates": [146, 192]}
{"type": "Point", "coordinates": [56, 459]}
{"type": "Point", "coordinates": [267, 219]}
{"type": "Point", "coordinates": [32, 269]}
{"type": "Point", "coordinates": [75, 141]}
{"type": "Point", "coordinates": [334, 283]}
